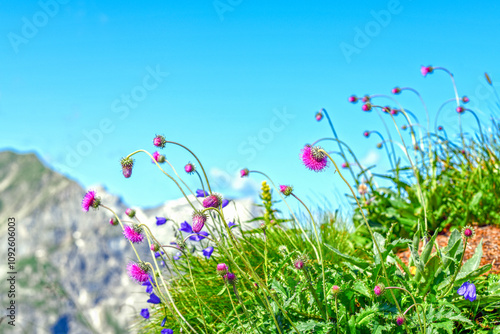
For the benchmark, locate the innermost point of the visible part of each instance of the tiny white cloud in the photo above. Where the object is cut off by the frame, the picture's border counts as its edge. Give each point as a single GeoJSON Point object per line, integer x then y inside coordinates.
{"type": "Point", "coordinates": [225, 181]}
{"type": "Point", "coordinates": [371, 158]}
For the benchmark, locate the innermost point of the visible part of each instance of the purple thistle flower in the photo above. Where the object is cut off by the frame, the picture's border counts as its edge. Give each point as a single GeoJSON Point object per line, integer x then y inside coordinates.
{"type": "Point", "coordinates": [154, 299]}
{"type": "Point", "coordinates": [222, 269]}
{"type": "Point", "coordinates": [167, 331]}
{"type": "Point", "coordinates": [199, 236]}
{"type": "Point", "coordinates": [145, 313]}
{"type": "Point", "coordinates": [90, 201]}
{"type": "Point", "coordinates": [468, 290]}
{"type": "Point", "coordinates": [212, 201]}
{"type": "Point", "coordinates": [208, 252]}
{"type": "Point", "coordinates": [127, 164]}
{"type": "Point", "coordinates": [130, 212]}
{"type": "Point", "coordinates": [201, 193]}
{"type": "Point", "coordinates": [159, 141]}
{"type": "Point", "coordinates": [230, 278]}
{"type": "Point", "coordinates": [244, 172]}
{"type": "Point", "coordinates": [138, 272]}
{"type": "Point", "coordinates": [190, 168]}
{"type": "Point", "coordinates": [134, 234]}
{"type": "Point", "coordinates": [185, 227]}
{"type": "Point", "coordinates": [400, 320]}
{"type": "Point", "coordinates": [286, 190]}
{"type": "Point", "coordinates": [313, 158]}
{"type": "Point", "coordinates": [160, 220]}
{"type": "Point", "coordinates": [199, 220]}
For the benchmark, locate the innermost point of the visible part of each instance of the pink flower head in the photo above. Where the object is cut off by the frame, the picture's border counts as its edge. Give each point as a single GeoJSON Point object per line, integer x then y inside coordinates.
{"type": "Point", "coordinates": [426, 69]}
{"type": "Point", "coordinates": [396, 90]}
{"type": "Point", "coordinates": [90, 201]}
{"type": "Point", "coordinates": [244, 172]}
{"type": "Point", "coordinates": [465, 99]}
{"type": "Point", "coordinates": [394, 111]}
{"type": "Point", "coordinates": [230, 278]}
{"type": "Point", "coordinates": [160, 158]}
{"type": "Point", "coordinates": [345, 165]}
{"type": "Point", "coordinates": [154, 247]}
{"type": "Point", "coordinates": [190, 168]}
{"type": "Point", "coordinates": [159, 141]}
{"type": "Point", "coordinates": [299, 264]}
{"type": "Point", "coordinates": [199, 220]}
{"type": "Point", "coordinates": [127, 164]}
{"type": "Point", "coordinates": [400, 320]}
{"type": "Point", "coordinates": [138, 272]}
{"type": "Point", "coordinates": [353, 99]}
{"type": "Point", "coordinates": [130, 212]}
{"type": "Point", "coordinates": [113, 221]}
{"type": "Point", "coordinates": [314, 158]}
{"type": "Point", "coordinates": [440, 128]}
{"type": "Point", "coordinates": [212, 201]}
{"type": "Point", "coordinates": [366, 98]}
{"type": "Point", "coordinates": [460, 109]}
{"type": "Point", "coordinates": [319, 116]}
{"type": "Point", "coordinates": [366, 134]}
{"type": "Point", "coordinates": [379, 289]}
{"type": "Point", "coordinates": [335, 290]}
{"type": "Point", "coordinates": [222, 269]}
{"type": "Point", "coordinates": [386, 109]}
{"type": "Point", "coordinates": [468, 232]}
{"type": "Point", "coordinates": [286, 190]}
{"type": "Point", "coordinates": [134, 234]}
{"type": "Point", "coordinates": [367, 106]}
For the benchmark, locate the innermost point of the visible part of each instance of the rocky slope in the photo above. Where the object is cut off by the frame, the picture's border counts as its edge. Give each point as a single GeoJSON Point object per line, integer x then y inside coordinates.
{"type": "Point", "coordinates": [71, 265]}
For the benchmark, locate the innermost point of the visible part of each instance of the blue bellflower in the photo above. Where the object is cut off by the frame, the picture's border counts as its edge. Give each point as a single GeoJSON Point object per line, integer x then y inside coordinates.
{"type": "Point", "coordinates": [167, 331]}
{"type": "Point", "coordinates": [208, 251]}
{"type": "Point", "coordinates": [160, 220]}
{"type": "Point", "coordinates": [154, 299]}
{"type": "Point", "coordinates": [201, 193]}
{"type": "Point", "coordinates": [468, 290]}
{"type": "Point", "coordinates": [145, 313]}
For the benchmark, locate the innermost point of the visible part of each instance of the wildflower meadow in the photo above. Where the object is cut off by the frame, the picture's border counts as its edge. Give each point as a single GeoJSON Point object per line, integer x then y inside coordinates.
{"type": "Point", "coordinates": [284, 272]}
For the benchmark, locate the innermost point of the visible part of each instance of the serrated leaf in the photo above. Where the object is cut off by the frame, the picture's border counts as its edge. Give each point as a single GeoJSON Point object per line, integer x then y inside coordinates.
{"type": "Point", "coordinates": [360, 287]}
{"type": "Point", "coordinates": [473, 263]}
{"type": "Point", "coordinates": [357, 262]}
{"type": "Point", "coordinates": [447, 326]}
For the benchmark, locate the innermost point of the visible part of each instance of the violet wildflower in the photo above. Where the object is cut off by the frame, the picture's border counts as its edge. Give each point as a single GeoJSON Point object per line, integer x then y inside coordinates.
{"type": "Point", "coordinates": [222, 269]}
{"type": "Point", "coordinates": [201, 193]}
{"type": "Point", "coordinates": [244, 172]}
{"type": "Point", "coordinates": [138, 272]}
{"type": "Point", "coordinates": [127, 164]}
{"type": "Point", "coordinates": [186, 227]}
{"type": "Point", "coordinates": [159, 141]}
{"type": "Point", "coordinates": [167, 331]}
{"type": "Point", "coordinates": [199, 220]}
{"type": "Point", "coordinates": [225, 202]}
{"type": "Point", "coordinates": [426, 70]}
{"type": "Point", "coordinates": [400, 320]}
{"type": "Point", "coordinates": [149, 285]}
{"type": "Point", "coordinates": [286, 190]}
{"type": "Point", "coordinates": [190, 168]}
{"type": "Point", "coordinates": [230, 278]}
{"type": "Point", "coordinates": [145, 313]}
{"type": "Point", "coordinates": [161, 220]}
{"type": "Point", "coordinates": [154, 299]}
{"type": "Point", "coordinates": [177, 256]}
{"type": "Point", "coordinates": [158, 254]}
{"type": "Point", "coordinates": [314, 158]}
{"type": "Point", "coordinates": [134, 233]}
{"type": "Point", "coordinates": [163, 324]}
{"type": "Point", "coordinates": [90, 201]}
{"type": "Point", "coordinates": [207, 252]}
{"type": "Point", "coordinates": [212, 201]}
{"type": "Point", "coordinates": [231, 224]}
{"type": "Point", "coordinates": [468, 290]}
{"type": "Point", "coordinates": [199, 236]}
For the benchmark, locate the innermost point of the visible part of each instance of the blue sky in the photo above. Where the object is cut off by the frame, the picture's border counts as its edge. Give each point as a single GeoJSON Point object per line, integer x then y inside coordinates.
{"type": "Point", "coordinates": [83, 83]}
